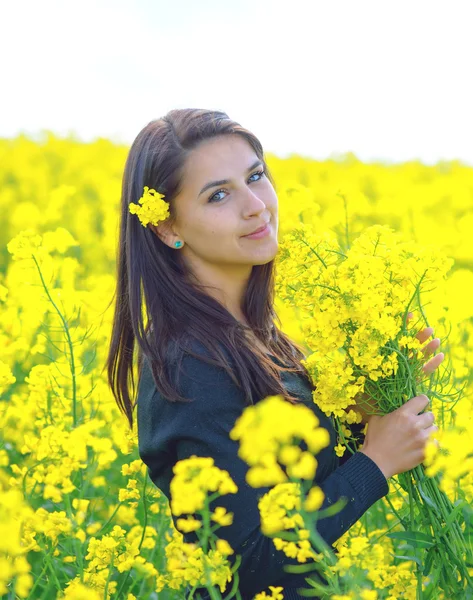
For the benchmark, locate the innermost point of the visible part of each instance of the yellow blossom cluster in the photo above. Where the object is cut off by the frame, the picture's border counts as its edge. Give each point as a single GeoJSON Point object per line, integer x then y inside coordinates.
{"type": "Point", "coordinates": [352, 303]}
{"type": "Point", "coordinates": [51, 524]}
{"type": "Point", "coordinates": [276, 593]}
{"type": "Point", "coordinates": [131, 492]}
{"type": "Point", "coordinates": [193, 478]}
{"type": "Point", "coordinates": [13, 560]}
{"type": "Point", "coordinates": [152, 207]}
{"type": "Point", "coordinates": [49, 421]}
{"type": "Point", "coordinates": [370, 553]}
{"type": "Point", "coordinates": [76, 590]}
{"type": "Point", "coordinates": [280, 511]}
{"type": "Point", "coordinates": [25, 245]}
{"type": "Point", "coordinates": [136, 466]}
{"type": "Point", "coordinates": [453, 457]}
{"type": "Point", "coordinates": [186, 565]}
{"type": "Point", "coordinates": [268, 433]}
{"type": "Point", "coordinates": [6, 377]}
{"type": "Point", "coordinates": [60, 453]}
{"type": "Point", "coordinates": [358, 595]}
{"type": "Point", "coordinates": [119, 550]}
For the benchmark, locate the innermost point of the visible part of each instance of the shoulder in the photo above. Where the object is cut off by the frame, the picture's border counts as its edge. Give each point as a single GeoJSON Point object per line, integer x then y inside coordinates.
{"type": "Point", "coordinates": [205, 385]}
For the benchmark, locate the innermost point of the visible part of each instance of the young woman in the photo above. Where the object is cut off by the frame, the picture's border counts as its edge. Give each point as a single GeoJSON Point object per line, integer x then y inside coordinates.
{"type": "Point", "coordinates": [195, 294]}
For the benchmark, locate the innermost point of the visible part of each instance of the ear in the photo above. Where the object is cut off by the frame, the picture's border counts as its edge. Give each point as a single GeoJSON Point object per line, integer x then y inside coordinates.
{"type": "Point", "coordinates": [165, 232]}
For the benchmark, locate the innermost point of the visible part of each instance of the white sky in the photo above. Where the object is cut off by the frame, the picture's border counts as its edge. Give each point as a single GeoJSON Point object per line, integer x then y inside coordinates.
{"type": "Point", "coordinates": [387, 80]}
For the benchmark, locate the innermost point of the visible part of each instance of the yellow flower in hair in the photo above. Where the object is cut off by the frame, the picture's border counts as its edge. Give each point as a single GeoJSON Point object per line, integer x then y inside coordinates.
{"type": "Point", "coordinates": [153, 207]}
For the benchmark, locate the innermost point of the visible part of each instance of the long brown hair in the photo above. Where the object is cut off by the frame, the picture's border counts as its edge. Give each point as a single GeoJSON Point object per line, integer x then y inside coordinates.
{"type": "Point", "coordinates": [158, 306]}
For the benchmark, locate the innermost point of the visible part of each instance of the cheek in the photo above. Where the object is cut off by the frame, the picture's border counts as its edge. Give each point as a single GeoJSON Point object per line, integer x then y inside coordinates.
{"type": "Point", "coordinates": [272, 202]}
{"type": "Point", "coordinates": [220, 224]}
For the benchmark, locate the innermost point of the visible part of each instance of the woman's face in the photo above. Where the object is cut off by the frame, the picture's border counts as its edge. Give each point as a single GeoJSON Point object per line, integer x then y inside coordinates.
{"type": "Point", "coordinates": [212, 219]}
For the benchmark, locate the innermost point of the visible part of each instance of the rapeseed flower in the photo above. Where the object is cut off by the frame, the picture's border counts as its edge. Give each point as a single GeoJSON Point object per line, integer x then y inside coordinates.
{"type": "Point", "coordinates": [185, 565]}
{"type": "Point", "coordinates": [276, 593]}
{"type": "Point", "coordinates": [279, 511]}
{"type": "Point", "coordinates": [268, 432]}
{"type": "Point", "coordinates": [26, 244]}
{"type": "Point", "coordinates": [193, 478]}
{"type": "Point", "coordinates": [153, 207]}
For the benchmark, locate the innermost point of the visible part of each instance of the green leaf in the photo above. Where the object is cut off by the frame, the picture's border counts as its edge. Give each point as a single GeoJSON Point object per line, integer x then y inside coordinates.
{"type": "Point", "coordinates": [414, 558]}
{"type": "Point", "coordinates": [467, 513]}
{"type": "Point", "coordinates": [414, 538]}
{"type": "Point", "coordinates": [318, 587]}
{"type": "Point", "coordinates": [453, 515]}
{"type": "Point", "coordinates": [333, 509]}
{"type": "Point", "coordinates": [429, 561]}
{"type": "Point", "coordinates": [426, 498]}
{"type": "Point", "coordinates": [288, 536]}
{"type": "Point", "coordinates": [303, 568]}
{"type": "Point", "coordinates": [430, 592]}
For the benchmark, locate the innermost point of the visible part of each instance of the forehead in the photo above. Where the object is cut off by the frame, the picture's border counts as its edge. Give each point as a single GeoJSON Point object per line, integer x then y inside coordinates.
{"type": "Point", "coordinates": [222, 157]}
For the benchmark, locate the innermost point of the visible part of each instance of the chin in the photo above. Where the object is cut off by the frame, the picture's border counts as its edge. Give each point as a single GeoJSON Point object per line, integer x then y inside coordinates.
{"type": "Point", "coordinates": [265, 257]}
{"type": "Point", "coordinates": [262, 262]}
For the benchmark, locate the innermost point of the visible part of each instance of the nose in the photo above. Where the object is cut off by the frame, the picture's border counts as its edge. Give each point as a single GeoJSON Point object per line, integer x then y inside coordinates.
{"type": "Point", "coordinates": [254, 202]}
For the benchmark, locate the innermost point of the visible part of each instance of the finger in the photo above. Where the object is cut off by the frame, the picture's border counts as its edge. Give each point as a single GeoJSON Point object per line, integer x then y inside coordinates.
{"type": "Point", "coordinates": [433, 363]}
{"type": "Point", "coordinates": [415, 405]}
{"type": "Point", "coordinates": [428, 431]}
{"type": "Point", "coordinates": [431, 347]}
{"type": "Point", "coordinates": [424, 335]}
{"type": "Point", "coordinates": [425, 420]}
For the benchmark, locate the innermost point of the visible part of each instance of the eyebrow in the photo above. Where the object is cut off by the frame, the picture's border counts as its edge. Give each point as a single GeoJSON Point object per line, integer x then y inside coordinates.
{"type": "Point", "coordinates": [224, 181]}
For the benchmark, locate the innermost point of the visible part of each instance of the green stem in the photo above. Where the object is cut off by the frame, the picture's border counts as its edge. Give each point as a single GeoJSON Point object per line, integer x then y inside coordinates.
{"type": "Point", "coordinates": [314, 251]}
{"type": "Point", "coordinates": [455, 542]}
{"type": "Point", "coordinates": [401, 520]}
{"type": "Point", "coordinates": [77, 544]}
{"type": "Point", "coordinates": [37, 581]}
{"type": "Point", "coordinates": [110, 519]}
{"type": "Point", "coordinates": [53, 571]}
{"type": "Point", "coordinates": [105, 591]}
{"type": "Point", "coordinates": [69, 342]}
{"type": "Point", "coordinates": [412, 528]}
{"type": "Point", "coordinates": [446, 550]}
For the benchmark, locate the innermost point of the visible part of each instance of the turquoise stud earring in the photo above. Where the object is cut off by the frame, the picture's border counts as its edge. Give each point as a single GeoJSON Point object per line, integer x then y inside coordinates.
{"type": "Point", "coordinates": [178, 244]}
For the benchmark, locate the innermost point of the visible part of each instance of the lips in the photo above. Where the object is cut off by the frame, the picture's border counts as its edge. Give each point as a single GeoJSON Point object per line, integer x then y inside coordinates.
{"type": "Point", "coordinates": [258, 230]}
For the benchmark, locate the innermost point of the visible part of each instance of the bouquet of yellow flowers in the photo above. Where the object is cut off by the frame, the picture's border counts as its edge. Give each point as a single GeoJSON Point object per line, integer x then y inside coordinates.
{"type": "Point", "coordinates": [354, 305]}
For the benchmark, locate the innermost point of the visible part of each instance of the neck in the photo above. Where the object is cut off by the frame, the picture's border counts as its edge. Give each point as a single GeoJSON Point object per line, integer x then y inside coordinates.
{"type": "Point", "coordinates": [227, 285]}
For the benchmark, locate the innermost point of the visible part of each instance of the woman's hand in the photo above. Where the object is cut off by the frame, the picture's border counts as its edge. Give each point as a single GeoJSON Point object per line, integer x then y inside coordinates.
{"type": "Point", "coordinates": [396, 441]}
{"type": "Point", "coordinates": [366, 406]}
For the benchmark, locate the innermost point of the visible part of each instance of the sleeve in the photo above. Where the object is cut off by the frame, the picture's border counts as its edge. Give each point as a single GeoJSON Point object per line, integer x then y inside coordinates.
{"type": "Point", "coordinates": [202, 427]}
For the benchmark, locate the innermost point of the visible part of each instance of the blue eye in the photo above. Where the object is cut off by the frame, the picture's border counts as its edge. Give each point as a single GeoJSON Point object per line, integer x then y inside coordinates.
{"type": "Point", "coordinates": [260, 173]}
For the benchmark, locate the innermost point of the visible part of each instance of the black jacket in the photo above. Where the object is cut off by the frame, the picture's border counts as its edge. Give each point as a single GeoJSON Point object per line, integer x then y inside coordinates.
{"type": "Point", "coordinates": [171, 431]}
